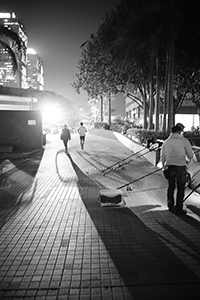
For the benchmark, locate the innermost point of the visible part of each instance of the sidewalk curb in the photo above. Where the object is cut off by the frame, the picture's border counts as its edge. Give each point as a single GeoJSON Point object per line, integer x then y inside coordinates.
{"type": "Point", "coordinates": [18, 155]}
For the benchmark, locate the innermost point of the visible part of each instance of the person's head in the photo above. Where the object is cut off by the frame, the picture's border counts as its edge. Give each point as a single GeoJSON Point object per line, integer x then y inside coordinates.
{"type": "Point", "coordinates": [176, 129]}
{"type": "Point", "coordinates": [180, 125]}
{"type": "Point", "coordinates": [81, 123]}
{"type": "Point", "coordinates": [65, 126]}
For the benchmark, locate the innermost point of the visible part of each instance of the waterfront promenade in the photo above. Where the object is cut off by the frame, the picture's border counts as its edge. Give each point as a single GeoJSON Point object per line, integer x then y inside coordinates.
{"type": "Point", "coordinates": [57, 242]}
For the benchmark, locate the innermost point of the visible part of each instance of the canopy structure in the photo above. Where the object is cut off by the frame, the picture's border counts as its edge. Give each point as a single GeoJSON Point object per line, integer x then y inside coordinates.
{"type": "Point", "coordinates": [17, 103]}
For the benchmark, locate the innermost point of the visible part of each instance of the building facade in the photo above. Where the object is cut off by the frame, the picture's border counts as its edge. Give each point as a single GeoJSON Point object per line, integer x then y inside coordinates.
{"type": "Point", "coordinates": [188, 113]}
{"type": "Point", "coordinates": [7, 78]}
{"type": "Point", "coordinates": [134, 112]}
{"type": "Point", "coordinates": [35, 70]}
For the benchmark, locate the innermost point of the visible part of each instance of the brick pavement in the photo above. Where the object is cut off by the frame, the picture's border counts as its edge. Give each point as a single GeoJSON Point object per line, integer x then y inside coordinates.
{"type": "Point", "coordinates": [56, 242]}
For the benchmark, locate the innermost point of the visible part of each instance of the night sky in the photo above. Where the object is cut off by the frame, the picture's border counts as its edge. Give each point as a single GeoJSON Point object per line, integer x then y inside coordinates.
{"type": "Point", "coordinates": [55, 30]}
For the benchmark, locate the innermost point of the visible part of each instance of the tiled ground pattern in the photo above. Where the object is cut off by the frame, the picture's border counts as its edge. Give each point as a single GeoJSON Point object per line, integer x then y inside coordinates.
{"type": "Point", "coordinates": [56, 242]}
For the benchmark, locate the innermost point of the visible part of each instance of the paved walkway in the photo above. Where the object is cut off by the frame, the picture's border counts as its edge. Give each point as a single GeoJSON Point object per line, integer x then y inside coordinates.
{"type": "Point", "coordinates": [57, 242]}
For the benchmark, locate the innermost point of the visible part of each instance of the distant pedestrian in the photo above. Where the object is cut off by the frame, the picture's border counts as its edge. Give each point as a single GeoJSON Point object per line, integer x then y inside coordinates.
{"type": "Point", "coordinates": [82, 131]}
{"type": "Point", "coordinates": [173, 156]}
{"type": "Point", "coordinates": [65, 136]}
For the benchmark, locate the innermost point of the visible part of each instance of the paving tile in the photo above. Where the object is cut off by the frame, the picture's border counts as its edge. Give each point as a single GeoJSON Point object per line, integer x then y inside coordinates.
{"type": "Point", "coordinates": [58, 243]}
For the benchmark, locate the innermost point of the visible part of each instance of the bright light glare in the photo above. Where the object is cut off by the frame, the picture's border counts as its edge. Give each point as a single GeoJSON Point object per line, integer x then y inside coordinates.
{"type": "Point", "coordinates": [31, 51]}
{"type": "Point", "coordinates": [51, 114]}
{"type": "Point", "coordinates": [5, 15]}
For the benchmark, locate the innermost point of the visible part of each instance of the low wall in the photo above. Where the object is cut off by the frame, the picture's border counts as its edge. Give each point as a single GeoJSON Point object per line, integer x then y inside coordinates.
{"type": "Point", "coordinates": [22, 129]}
{"type": "Point", "coordinates": [152, 157]}
{"type": "Point", "coordinates": [135, 146]}
{"type": "Point", "coordinates": [102, 132]}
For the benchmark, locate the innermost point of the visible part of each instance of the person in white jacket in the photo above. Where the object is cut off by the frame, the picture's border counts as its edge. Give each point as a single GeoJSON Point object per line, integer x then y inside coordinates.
{"type": "Point", "coordinates": [174, 152]}
{"type": "Point", "coordinates": [82, 131]}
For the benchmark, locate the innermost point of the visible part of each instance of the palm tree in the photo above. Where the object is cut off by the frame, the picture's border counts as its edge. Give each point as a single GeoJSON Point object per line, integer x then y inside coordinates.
{"type": "Point", "coordinates": [10, 42]}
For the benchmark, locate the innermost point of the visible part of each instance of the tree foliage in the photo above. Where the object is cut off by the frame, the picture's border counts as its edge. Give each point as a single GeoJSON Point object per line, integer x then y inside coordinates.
{"type": "Point", "coordinates": [122, 55]}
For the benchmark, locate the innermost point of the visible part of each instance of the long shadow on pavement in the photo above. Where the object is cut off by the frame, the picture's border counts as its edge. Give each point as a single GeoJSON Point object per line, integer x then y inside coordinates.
{"type": "Point", "coordinates": [182, 238]}
{"type": "Point", "coordinates": [139, 259]}
{"type": "Point", "coordinates": [194, 209]}
{"type": "Point", "coordinates": [17, 185]}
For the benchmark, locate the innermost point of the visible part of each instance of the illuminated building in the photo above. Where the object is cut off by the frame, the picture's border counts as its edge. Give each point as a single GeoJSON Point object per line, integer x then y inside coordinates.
{"type": "Point", "coordinates": [187, 113]}
{"type": "Point", "coordinates": [7, 78]}
{"type": "Point", "coordinates": [35, 70]}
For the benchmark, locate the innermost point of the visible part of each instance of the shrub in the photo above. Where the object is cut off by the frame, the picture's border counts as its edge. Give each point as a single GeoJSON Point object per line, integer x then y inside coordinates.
{"type": "Point", "coordinates": [99, 125]}
{"type": "Point", "coordinates": [118, 126]}
{"type": "Point", "coordinates": [144, 134]}
{"type": "Point", "coordinates": [193, 136]}
{"type": "Point", "coordinates": [106, 126]}
{"type": "Point", "coordinates": [191, 133]}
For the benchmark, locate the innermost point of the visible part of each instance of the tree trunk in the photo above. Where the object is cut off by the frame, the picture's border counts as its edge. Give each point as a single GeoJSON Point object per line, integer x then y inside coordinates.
{"type": "Point", "coordinates": [157, 104]}
{"type": "Point", "coordinates": [145, 113]}
{"type": "Point", "coordinates": [101, 108]}
{"type": "Point", "coordinates": [165, 106]}
{"type": "Point", "coordinates": [144, 99]}
{"type": "Point", "coordinates": [171, 116]}
{"type": "Point", "coordinates": [109, 110]}
{"type": "Point", "coordinates": [151, 105]}
{"type": "Point", "coordinates": [199, 116]}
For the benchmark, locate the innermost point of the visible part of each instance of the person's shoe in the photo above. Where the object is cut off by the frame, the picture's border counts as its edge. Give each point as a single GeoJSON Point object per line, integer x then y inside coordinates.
{"type": "Point", "coordinates": [181, 212]}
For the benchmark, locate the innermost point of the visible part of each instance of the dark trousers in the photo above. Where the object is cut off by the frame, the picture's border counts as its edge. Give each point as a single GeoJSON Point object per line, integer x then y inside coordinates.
{"type": "Point", "coordinates": [82, 141]}
{"type": "Point", "coordinates": [177, 179]}
{"type": "Point", "coordinates": [65, 142]}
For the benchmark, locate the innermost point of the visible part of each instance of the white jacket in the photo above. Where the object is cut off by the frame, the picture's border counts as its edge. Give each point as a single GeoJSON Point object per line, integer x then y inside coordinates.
{"type": "Point", "coordinates": [175, 150]}
{"type": "Point", "coordinates": [82, 130]}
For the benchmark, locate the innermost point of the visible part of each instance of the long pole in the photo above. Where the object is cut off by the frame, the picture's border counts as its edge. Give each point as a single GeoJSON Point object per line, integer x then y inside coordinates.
{"type": "Point", "coordinates": [138, 179]}
{"type": "Point", "coordinates": [191, 192]}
